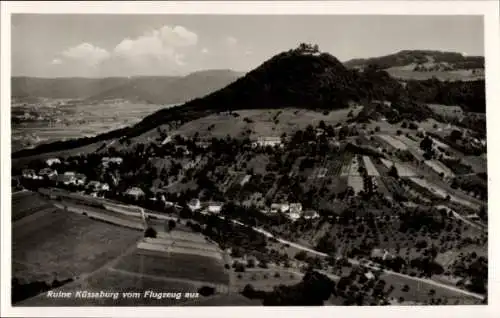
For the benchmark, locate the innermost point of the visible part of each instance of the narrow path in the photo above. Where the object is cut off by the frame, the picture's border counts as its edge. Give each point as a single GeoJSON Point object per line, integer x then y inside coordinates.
{"type": "Point", "coordinates": [468, 222]}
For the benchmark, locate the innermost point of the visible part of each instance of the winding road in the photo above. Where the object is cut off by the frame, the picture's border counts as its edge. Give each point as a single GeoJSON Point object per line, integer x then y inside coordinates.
{"type": "Point", "coordinates": [352, 261]}
{"type": "Point", "coordinates": [356, 262]}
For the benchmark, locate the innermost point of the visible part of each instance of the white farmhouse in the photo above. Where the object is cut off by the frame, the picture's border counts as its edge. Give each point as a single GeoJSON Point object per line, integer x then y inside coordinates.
{"type": "Point", "coordinates": [280, 207]}
{"type": "Point", "coordinates": [310, 214]}
{"type": "Point", "coordinates": [194, 205]}
{"type": "Point", "coordinates": [29, 174]}
{"type": "Point", "coordinates": [215, 208]}
{"type": "Point", "coordinates": [49, 173]}
{"type": "Point", "coordinates": [107, 160]}
{"type": "Point", "coordinates": [52, 161]}
{"type": "Point", "coordinates": [135, 192]}
{"type": "Point", "coordinates": [296, 208]}
{"type": "Point", "coordinates": [267, 141]}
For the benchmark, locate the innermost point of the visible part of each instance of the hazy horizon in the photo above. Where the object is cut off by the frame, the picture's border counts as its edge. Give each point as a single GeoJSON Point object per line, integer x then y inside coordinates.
{"type": "Point", "coordinates": [103, 46]}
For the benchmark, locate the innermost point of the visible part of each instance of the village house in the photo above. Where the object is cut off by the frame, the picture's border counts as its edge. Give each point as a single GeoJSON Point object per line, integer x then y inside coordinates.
{"type": "Point", "coordinates": [168, 204]}
{"type": "Point", "coordinates": [194, 205]}
{"type": "Point", "coordinates": [203, 144]}
{"type": "Point", "coordinates": [29, 174]}
{"type": "Point", "coordinates": [167, 140]}
{"type": "Point", "coordinates": [295, 208]}
{"type": "Point", "coordinates": [52, 161]}
{"type": "Point", "coordinates": [65, 179]}
{"type": "Point", "coordinates": [107, 160]}
{"type": "Point", "coordinates": [381, 254]}
{"type": "Point", "coordinates": [190, 164]}
{"type": "Point", "coordinates": [310, 214]}
{"type": "Point", "coordinates": [80, 179]}
{"type": "Point", "coordinates": [280, 207]}
{"type": "Point", "coordinates": [93, 185]}
{"type": "Point", "coordinates": [294, 216]}
{"type": "Point", "coordinates": [183, 149]}
{"type": "Point", "coordinates": [245, 179]}
{"type": "Point", "coordinates": [48, 173]}
{"type": "Point", "coordinates": [97, 186]}
{"type": "Point", "coordinates": [135, 193]}
{"type": "Point", "coordinates": [215, 207]}
{"type": "Point", "coordinates": [267, 141]}
{"type": "Point", "coordinates": [369, 276]}
{"type": "Point", "coordinates": [320, 132]}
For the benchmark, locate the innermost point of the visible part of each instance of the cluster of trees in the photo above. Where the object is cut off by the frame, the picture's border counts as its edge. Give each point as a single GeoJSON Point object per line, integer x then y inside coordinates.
{"type": "Point", "coordinates": [471, 183]}
{"type": "Point", "coordinates": [468, 94]}
{"type": "Point", "coordinates": [313, 290]}
{"type": "Point", "coordinates": [475, 269]}
{"type": "Point", "coordinates": [402, 108]}
{"type": "Point", "coordinates": [456, 165]}
{"type": "Point", "coordinates": [427, 146]}
{"type": "Point", "coordinates": [229, 235]}
{"type": "Point", "coordinates": [418, 219]}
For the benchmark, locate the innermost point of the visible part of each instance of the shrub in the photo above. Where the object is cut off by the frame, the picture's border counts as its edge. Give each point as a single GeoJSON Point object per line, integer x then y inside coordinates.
{"type": "Point", "coordinates": [206, 291]}
{"type": "Point", "coordinates": [150, 232]}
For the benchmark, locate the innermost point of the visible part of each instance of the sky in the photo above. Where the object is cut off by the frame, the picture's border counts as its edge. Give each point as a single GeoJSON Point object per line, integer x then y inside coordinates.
{"type": "Point", "coordinates": [88, 45]}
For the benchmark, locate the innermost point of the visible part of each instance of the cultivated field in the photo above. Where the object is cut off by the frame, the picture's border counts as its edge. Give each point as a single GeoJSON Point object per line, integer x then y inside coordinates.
{"type": "Point", "coordinates": [393, 142]}
{"type": "Point", "coordinates": [356, 182]}
{"type": "Point", "coordinates": [403, 170]}
{"type": "Point", "coordinates": [170, 246]}
{"type": "Point", "coordinates": [478, 164]}
{"type": "Point", "coordinates": [439, 168]}
{"type": "Point", "coordinates": [345, 169]}
{"type": "Point", "coordinates": [438, 191]}
{"type": "Point", "coordinates": [432, 188]}
{"type": "Point", "coordinates": [26, 203]}
{"type": "Point", "coordinates": [354, 168]}
{"type": "Point", "coordinates": [449, 111]}
{"type": "Point", "coordinates": [175, 265]}
{"type": "Point", "coordinates": [127, 221]}
{"type": "Point", "coordinates": [63, 245]}
{"type": "Point", "coordinates": [370, 168]}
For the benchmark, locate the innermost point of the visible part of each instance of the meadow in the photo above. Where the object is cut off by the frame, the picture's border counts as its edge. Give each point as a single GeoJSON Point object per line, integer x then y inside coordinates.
{"type": "Point", "coordinates": [175, 265]}
{"type": "Point", "coordinates": [26, 203]}
{"type": "Point", "coordinates": [269, 122]}
{"type": "Point", "coordinates": [64, 245]}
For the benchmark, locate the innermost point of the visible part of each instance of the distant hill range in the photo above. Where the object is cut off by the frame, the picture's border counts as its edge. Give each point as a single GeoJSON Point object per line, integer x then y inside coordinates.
{"type": "Point", "coordinates": [150, 89]}
{"type": "Point", "coordinates": [424, 64]}
{"type": "Point", "coordinates": [301, 78]}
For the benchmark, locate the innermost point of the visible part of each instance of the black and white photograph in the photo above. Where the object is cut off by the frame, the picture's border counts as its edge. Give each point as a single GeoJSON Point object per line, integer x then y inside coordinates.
{"type": "Point", "coordinates": [255, 160]}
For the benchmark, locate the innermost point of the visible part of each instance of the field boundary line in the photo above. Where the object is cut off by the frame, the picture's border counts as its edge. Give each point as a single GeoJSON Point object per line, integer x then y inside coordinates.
{"type": "Point", "coordinates": [221, 287]}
